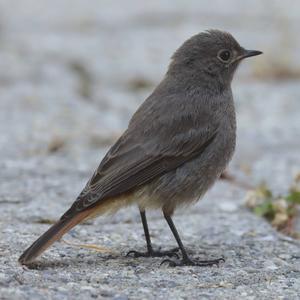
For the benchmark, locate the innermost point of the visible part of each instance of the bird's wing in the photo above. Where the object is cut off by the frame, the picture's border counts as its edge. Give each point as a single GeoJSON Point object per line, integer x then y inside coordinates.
{"type": "Point", "coordinates": [141, 155]}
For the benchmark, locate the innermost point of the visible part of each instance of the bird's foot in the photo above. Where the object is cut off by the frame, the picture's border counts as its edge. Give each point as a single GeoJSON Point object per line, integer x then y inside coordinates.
{"type": "Point", "coordinates": [153, 253]}
{"type": "Point", "coordinates": [188, 262]}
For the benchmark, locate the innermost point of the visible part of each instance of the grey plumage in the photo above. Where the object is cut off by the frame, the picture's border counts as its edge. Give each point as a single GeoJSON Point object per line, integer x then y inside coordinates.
{"type": "Point", "coordinates": [180, 139]}
{"type": "Point", "coordinates": [187, 116]}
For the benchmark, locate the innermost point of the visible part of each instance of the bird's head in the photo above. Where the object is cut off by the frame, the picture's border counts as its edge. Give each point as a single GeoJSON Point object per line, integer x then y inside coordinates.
{"type": "Point", "coordinates": [213, 54]}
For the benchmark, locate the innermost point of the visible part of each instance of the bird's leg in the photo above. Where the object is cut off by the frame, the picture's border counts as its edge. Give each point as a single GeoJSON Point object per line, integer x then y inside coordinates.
{"type": "Point", "coordinates": [150, 252]}
{"type": "Point", "coordinates": [186, 261]}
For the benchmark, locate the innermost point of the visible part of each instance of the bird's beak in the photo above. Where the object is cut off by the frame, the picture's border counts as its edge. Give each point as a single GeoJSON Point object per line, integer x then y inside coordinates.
{"type": "Point", "coordinates": [246, 53]}
{"type": "Point", "coordinates": [249, 53]}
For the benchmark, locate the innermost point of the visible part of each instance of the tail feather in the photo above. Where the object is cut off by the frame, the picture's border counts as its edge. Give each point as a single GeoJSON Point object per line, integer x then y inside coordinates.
{"type": "Point", "coordinates": [54, 233]}
{"type": "Point", "coordinates": [67, 222]}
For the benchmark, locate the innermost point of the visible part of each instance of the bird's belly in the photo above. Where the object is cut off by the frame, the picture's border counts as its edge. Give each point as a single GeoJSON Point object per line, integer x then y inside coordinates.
{"type": "Point", "coordinates": [190, 181]}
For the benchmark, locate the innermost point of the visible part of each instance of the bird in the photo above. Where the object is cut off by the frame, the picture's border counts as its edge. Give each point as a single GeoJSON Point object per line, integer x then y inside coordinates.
{"type": "Point", "coordinates": [176, 145]}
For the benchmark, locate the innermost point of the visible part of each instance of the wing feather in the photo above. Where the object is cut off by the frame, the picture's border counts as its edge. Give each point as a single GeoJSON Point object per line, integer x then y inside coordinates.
{"type": "Point", "coordinates": [140, 155]}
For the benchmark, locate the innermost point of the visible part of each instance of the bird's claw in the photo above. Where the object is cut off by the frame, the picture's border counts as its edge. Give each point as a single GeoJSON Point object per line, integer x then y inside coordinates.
{"type": "Point", "coordinates": [153, 253]}
{"type": "Point", "coordinates": [189, 262]}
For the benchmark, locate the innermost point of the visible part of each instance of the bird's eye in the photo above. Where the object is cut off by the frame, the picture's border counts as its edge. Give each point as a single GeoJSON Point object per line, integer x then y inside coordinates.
{"type": "Point", "coordinates": [224, 55]}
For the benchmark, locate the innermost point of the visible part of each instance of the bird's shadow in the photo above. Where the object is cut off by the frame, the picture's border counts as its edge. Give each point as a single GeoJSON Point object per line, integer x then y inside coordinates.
{"type": "Point", "coordinates": [83, 262]}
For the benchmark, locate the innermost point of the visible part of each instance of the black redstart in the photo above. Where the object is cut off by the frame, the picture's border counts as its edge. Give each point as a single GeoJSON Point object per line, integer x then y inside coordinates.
{"type": "Point", "coordinates": [176, 145]}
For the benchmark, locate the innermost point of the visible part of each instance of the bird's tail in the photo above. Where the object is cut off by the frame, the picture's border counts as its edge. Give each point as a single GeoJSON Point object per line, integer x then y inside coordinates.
{"type": "Point", "coordinates": [54, 233]}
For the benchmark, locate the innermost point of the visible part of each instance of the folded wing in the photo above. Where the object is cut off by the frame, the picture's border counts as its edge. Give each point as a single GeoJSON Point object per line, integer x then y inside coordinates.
{"type": "Point", "coordinates": [141, 155]}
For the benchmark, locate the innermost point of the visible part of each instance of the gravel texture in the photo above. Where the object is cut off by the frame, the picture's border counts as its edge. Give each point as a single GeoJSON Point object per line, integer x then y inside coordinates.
{"type": "Point", "coordinates": [71, 74]}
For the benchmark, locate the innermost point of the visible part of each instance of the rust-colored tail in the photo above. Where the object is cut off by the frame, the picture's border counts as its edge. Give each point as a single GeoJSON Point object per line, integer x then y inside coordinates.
{"type": "Point", "coordinates": [53, 234]}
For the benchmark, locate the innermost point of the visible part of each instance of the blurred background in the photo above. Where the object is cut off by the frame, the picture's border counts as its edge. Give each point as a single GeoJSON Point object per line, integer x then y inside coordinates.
{"type": "Point", "coordinates": [72, 72]}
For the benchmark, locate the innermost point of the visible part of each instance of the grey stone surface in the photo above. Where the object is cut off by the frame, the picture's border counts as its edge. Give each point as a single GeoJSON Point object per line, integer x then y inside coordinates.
{"type": "Point", "coordinates": [71, 74]}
